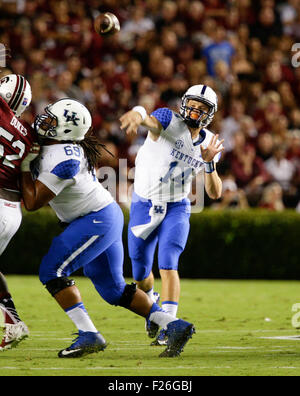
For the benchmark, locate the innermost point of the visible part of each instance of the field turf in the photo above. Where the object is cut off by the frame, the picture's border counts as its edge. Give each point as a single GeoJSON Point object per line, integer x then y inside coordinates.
{"type": "Point", "coordinates": [243, 329]}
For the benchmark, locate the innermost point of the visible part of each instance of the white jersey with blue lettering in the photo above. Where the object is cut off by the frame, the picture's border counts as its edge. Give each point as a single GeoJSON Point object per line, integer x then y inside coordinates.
{"type": "Point", "coordinates": [164, 168]}
{"type": "Point", "coordinates": [63, 168]}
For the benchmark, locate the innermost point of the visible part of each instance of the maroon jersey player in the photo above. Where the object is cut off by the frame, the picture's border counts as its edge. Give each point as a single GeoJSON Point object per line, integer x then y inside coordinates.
{"type": "Point", "coordinates": [16, 139]}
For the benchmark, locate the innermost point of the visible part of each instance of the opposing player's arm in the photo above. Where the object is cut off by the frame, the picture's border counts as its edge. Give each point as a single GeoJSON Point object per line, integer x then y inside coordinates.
{"type": "Point", "coordinates": [131, 120]}
{"type": "Point", "coordinates": [35, 194]}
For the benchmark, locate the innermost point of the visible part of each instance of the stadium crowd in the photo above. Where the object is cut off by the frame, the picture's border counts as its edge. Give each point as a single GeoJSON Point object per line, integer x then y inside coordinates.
{"type": "Point", "coordinates": [242, 49]}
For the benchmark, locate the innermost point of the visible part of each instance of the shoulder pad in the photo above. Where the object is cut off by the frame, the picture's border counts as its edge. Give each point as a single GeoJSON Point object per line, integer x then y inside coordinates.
{"type": "Point", "coordinates": [67, 169]}
{"type": "Point", "coordinates": [163, 115]}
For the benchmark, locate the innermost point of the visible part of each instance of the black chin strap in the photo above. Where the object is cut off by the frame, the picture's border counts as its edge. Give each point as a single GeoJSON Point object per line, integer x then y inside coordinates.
{"type": "Point", "coordinates": [192, 123]}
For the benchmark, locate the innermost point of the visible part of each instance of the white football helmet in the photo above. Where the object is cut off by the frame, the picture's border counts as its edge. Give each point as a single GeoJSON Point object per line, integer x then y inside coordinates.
{"type": "Point", "coordinates": [16, 92]}
{"type": "Point", "coordinates": [203, 94]}
{"type": "Point", "coordinates": [66, 119]}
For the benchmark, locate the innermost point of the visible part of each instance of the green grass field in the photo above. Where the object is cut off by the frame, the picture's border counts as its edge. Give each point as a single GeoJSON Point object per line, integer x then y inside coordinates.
{"type": "Point", "coordinates": [239, 327]}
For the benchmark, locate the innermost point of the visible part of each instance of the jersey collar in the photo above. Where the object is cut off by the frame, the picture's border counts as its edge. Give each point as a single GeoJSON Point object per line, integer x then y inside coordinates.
{"type": "Point", "coordinates": [202, 136]}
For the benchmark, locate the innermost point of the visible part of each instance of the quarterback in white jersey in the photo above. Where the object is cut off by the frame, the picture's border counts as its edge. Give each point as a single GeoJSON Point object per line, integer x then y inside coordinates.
{"type": "Point", "coordinates": [165, 167]}
{"type": "Point", "coordinates": [64, 177]}
{"type": "Point", "coordinates": [178, 146]}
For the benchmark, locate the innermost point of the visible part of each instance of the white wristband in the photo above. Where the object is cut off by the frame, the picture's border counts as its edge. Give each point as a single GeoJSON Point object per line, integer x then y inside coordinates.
{"type": "Point", "coordinates": [141, 110]}
{"type": "Point", "coordinates": [25, 164]}
{"type": "Point", "coordinates": [209, 167]}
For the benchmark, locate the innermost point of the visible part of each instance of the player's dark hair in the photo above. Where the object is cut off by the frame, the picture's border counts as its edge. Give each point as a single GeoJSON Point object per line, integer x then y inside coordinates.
{"type": "Point", "coordinates": [92, 148]}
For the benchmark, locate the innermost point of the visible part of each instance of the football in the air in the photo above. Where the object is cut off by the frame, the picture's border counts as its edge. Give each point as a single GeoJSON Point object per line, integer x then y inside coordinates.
{"type": "Point", "coordinates": [106, 24]}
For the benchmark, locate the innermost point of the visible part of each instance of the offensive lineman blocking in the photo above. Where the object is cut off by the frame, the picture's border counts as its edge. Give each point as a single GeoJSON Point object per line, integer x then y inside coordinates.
{"type": "Point", "coordinates": [178, 147]}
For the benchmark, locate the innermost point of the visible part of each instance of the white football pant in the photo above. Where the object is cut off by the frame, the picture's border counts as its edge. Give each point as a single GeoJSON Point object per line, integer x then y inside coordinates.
{"type": "Point", "coordinates": [10, 221]}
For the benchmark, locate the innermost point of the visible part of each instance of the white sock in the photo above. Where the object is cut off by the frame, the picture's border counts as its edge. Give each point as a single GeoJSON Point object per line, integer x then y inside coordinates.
{"type": "Point", "coordinates": [170, 307]}
{"type": "Point", "coordinates": [161, 318]}
{"type": "Point", "coordinates": [151, 295]}
{"type": "Point", "coordinates": [80, 318]}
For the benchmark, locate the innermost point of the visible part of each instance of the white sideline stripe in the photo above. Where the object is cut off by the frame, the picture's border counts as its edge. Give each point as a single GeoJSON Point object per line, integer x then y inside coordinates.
{"type": "Point", "coordinates": [75, 254]}
{"type": "Point", "coordinates": [289, 338]}
{"type": "Point", "coordinates": [236, 347]}
{"type": "Point", "coordinates": [285, 367]}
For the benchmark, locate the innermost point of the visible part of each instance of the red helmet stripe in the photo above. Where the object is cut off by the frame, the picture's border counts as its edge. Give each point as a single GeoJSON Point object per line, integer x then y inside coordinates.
{"type": "Point", "coordinates": [18, 95]}
{"type": "Point", "coordinates": [21, 95]}
{"type": "Point", "coordinates": [16, 88]}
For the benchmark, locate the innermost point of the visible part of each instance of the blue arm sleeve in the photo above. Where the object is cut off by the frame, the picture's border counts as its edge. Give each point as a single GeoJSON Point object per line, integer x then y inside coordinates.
{"type": "Point", "coordinates": [164, 116]}
{"type": "Point", "coordinates": [67, 169]}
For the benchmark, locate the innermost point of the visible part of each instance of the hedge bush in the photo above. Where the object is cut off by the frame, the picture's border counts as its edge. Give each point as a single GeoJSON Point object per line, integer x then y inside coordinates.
{"type": "Point", "coordinates": [243, 244]}
{"type": "Point", "coordinates": [254, 244]}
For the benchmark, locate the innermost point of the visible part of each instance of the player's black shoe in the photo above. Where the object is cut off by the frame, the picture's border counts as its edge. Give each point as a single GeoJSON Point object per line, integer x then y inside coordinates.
{"type": "Point", "coordinates": [161, 339]}
{"type": "Point", "coordinates": [151, 329]}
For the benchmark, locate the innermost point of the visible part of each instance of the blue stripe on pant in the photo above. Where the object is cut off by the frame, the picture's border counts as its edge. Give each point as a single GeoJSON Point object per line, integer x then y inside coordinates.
{"type": "Point", "coordinates": [94, 243]}
{"type": "Point", "coordinates": [171, 236]}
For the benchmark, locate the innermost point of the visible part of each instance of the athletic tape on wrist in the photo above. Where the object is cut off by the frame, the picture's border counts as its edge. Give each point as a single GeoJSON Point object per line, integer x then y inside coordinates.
{"type": "Point", "coordinates": [209, 167]}
{"type": "Point", "coordinates": [141, 110]}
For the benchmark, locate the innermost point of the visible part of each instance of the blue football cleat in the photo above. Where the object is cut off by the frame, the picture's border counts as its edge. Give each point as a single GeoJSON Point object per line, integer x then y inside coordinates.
{"type": "Point", "coordinates": [86, 342]}
{"type": "Point", "coordinates": [178, 332]}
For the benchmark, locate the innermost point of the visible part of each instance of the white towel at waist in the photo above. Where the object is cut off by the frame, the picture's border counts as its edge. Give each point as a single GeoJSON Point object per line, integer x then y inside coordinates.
{"type": "Point", "coordinates": [157, 213]}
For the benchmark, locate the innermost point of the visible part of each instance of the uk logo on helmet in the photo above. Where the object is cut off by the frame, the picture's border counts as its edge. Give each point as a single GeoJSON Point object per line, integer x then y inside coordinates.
{"type": "Point", "coordinates": [71, 117]}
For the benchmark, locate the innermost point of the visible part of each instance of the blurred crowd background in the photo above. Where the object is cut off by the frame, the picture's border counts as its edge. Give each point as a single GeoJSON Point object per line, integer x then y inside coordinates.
{"type": "Point", "coordinates": [242, 49]}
